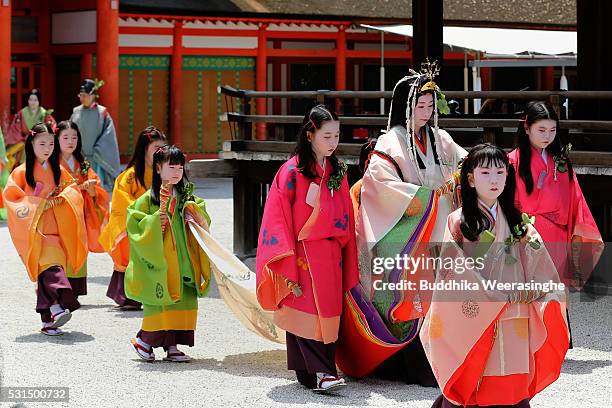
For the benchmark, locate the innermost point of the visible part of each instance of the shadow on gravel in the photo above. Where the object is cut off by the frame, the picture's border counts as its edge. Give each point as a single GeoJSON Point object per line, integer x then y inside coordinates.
{"type": "Point", "coordinates": [357, 392]}
{"type": "Point", "coordinates": [99, 280]}
{"type": "Point", "coordinates": [271, 364]}
{"type": "Point", "coordinates": [69, 338]}
{"type": "Point", "coordinates": [91, 307]}
{"type": "Point", "coordinates": [580, 367]}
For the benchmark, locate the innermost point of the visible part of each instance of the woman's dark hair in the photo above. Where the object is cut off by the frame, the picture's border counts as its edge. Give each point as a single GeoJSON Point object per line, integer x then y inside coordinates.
{"type": "Point", "coordinates": [147, 136]}
{"type": "Point", "coordinates": [312, 121]}
{"type": "Point", "coordinates": [54, 159]}
{"type": "Point", "coordinates": [172, 155]}
{"type": "Point", "coordinates": [35, 92]}
{"type": "Point", "coordinates": [399, 100]}
{"type": "Point", "coordinates": [473, 219]}
{"type": "Point", "coordinates": [68, 124]}
{"type": "Point", "coordinates": [535, 111]}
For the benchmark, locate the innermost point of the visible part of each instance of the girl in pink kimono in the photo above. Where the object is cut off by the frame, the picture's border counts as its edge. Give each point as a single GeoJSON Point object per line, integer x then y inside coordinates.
{"type": "Point", "coordinates": [548, 189]}
{"type": "Point", "coordinates": [306, 254]}
{"type": "Point", "coordinates": [493, 345]}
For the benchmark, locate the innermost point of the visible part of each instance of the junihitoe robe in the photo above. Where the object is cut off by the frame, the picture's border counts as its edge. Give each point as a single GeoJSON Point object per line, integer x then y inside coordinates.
{"type": "Point", "coordinates": [490, 346]}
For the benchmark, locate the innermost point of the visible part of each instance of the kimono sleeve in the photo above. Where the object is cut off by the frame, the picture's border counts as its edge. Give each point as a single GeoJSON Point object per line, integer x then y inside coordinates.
{"type": "Point", "coordinates": [96, 210]}
{"type": "Point", "coordinates": [195, 211]}
{"type": "Point", "coordinates": [276, 256]}
{"type": "Point", "coordinates": [350, 269]}
{"type": "Point", "coordinates": [586, 242]}
{"type": "Point", "coordinates": [71, 223]}
{"type": "Point", "coordinates": [146, 276]}
{"type": "Point", "coordinates": [24, 212]}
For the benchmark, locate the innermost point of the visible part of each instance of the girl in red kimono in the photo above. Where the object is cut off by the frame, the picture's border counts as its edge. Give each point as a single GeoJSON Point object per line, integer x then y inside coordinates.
{"type": "Point", "coordinates": [548, 189]}
{"type": "Point", "coordinates": [95, 198]}
{"type": "Point", "coordinates": [306, 256]}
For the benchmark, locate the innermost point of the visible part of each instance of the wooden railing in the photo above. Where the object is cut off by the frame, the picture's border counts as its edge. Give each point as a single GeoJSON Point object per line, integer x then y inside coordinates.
{"type": "Point", "coordinates": [252, 164]}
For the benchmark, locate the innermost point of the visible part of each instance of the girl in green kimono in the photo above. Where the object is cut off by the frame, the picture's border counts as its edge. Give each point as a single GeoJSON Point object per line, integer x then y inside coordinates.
{"type": "Point", "coordinates": [23, 122]}
{"type": "Point", "coordinates": [168, 270]}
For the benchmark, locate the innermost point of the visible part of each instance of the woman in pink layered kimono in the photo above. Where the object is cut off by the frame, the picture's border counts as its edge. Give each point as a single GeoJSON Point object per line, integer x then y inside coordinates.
{"type": "Point", "coordinates": [548, 189]}
{"type": "Point", "coordinates": [496, 333]}
{"type": "Point", "coordinates": [407, 192]}
{"type": "Point", "coordinates": [306, 254]}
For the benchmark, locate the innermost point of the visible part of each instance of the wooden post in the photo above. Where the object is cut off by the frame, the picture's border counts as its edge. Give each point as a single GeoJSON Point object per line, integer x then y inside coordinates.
{"type": "Point", "coordinates": [340, 63]}
{"type": "Point", "coordinates": [427, 23]}
{"type": "Point", "coordinates": [176, 83]}
{"type": "Point", "coordinates": [594, 56]}
{"type": "Point", "coordinates": [261, 75]}
{"type": "Point", "coordinates": [5, 64]}
{"type": "Point", "coordinates": [86, 65]}
{"type": "Point", "coordinates": [107, 55]}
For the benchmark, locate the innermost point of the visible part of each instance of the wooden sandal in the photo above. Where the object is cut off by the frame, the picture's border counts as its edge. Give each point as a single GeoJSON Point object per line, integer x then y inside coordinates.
{"type": "Point", "coordinates": [51, 331]}
{"type": "Point", "coordinates": [177, 357]}
{"type": "Point", "coordinates": [329, 383]}
{"type": "Point", "coordinates": [61, 318]}
{"type": "Point", "coordinates": [143, 352]}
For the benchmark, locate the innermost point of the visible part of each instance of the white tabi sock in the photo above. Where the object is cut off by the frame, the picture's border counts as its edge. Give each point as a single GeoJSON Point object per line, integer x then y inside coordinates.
{"type": "Point", "coordinates": [55, 309]}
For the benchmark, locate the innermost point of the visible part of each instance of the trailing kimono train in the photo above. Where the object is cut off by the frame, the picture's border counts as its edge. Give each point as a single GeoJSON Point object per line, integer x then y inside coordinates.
{"type": "Point", "coordinates": [403, 200]}
{"type": "Point", "coordinates": [493, 347]}
{"type": "Point", "coordinates": [165, 290]}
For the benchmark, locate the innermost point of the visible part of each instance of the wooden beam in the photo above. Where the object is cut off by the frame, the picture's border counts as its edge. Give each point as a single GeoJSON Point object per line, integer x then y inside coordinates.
{"type": "Point", "coordinates": [427, 22]}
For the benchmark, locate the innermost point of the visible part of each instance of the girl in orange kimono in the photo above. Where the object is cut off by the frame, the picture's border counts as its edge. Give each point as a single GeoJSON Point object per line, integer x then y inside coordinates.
{"type": "Point", "coordinates": [95, 198]}
{"type": "Point", "coordinates": [306, 255]}
{"type": "Point", "coordinates": [45, 220]}
{"type": "Point", "coordinates": [496, 332]}
{"type": "Point", "coordinates": [548, 189]}
{"type": "Point", "coordinates": [133, 182]}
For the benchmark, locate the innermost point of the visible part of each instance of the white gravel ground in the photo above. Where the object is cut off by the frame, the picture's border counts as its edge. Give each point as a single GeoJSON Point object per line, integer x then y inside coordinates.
{"type": "Point", "coordinates": [232, 366]}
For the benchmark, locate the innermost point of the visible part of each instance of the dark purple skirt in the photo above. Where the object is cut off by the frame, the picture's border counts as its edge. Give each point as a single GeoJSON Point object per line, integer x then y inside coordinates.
{"type": "Point", "coordinates": [54, 287]}
{"type": "Point", "coordinates": [442, 402]}
{"type": "Point", "coordinates": [116, 291]}
{"type": "Point", "coordinates": [409, 365]}
{"type": "Point", "coordinates": [167, 338]}
{"type": "Point", "coordinates": [79, 286]}
{"type": "Point", "coordinates": [308, 357]}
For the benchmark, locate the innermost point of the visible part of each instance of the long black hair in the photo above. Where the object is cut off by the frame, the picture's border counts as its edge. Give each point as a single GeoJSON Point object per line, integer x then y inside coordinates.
{"type": "Point", "coordinates": [312, 121]}
{"type": "Point", "coordinates": [473, 219]}
{"type": "Point", "coordinates": [54, 159]}
{"type": "Point", "coordinates": [78, 151]}
{"type": "Point", "coordinates": [172, 155]}
{"type": "Point", "coordinates": [147, 136]}
{"type": "Point", "coordinates": [535, 111]}
{"type": "Point", "coordinates": [399, 100]}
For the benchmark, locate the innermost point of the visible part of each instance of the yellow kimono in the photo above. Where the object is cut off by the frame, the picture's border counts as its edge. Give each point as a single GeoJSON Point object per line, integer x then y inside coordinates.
{"type": "Point", "coordinates": [113, 237]}
{"type": "Point", "coordinates": [40, 240]}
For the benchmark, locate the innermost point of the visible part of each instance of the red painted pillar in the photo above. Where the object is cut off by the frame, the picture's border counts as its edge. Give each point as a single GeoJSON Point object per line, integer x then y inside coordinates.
{"type": "Point", "coordinates": [340, 63]}
{"type": "Point", "coordinates": [5, 64]}
{"type": "Point", "coordinates": [261, 75]}
{"type": "Point", "coordinates": [48, 70]}
{"type": "Point", "coordinates": [107, 55]}
{"type": "Point", "coordinates": [548, 78]}
{"type": "Point", "coordinates": [176, 83]}
{"type": "Point", "coordinates": [86, 65]}
{"type": "Point", "coordinates": [276, 80]}
{"type": "Point", "coordinates": [485, 79]}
